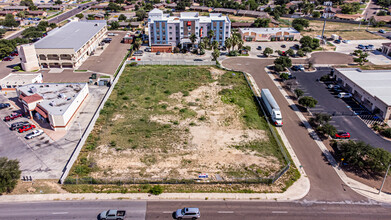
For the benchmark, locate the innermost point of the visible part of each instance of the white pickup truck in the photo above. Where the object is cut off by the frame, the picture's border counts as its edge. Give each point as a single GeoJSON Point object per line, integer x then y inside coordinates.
{"type": "Point", "coordinates": [112, 214]}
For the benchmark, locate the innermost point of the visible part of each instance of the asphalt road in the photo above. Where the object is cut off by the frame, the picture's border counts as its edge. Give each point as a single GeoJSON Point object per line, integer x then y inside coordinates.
{"type": "Point", "coordinates": [212, 210]}
{"type": "Point", "coordinates": [61, 17]}
{"type": "Point", "coordinates": [371, 10]}
{"type": "Point", "coordinates": [327, 102]}
{"type": "Point", "coordinates": [325, 183]}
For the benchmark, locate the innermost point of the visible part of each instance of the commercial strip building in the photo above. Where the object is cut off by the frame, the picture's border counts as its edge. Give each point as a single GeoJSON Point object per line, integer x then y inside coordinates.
{"type": "Point", "coordinates": [65, 47]}
{"type": "Point", "coordinates": [386, 49]}
{"type": "Point", "coordinates": [53, 103]}
{"type": "Point", "coordinates": [165, 30]}
{"type": "Point", "coordinates": [372, 88]}
{"type": "Point", "coordinates": [15, 80]}
{"type": "Point", "coordinates": [269, 34]}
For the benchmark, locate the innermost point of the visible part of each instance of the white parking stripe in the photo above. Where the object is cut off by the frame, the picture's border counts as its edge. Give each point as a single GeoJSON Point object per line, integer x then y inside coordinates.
{"type": "Point", "coordinates": [225, 212]}
{"type": "Point", "coordinates": [167, 211]}
{"type": "Point", "coordinates": [59, 213]}
{"type": "Point", "coordinates": [279, 212]}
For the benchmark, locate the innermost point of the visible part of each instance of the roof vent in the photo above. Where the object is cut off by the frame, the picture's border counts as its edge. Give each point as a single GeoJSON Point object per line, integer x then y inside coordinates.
{"type": "Point", "coordinates": [33, 89]}
{"type": "Point", "coordinates": [96, 25]}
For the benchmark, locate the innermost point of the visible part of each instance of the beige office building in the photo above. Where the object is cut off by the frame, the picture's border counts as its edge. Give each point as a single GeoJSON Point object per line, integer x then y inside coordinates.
{"type": "Point", "coordinates": [65, 47]}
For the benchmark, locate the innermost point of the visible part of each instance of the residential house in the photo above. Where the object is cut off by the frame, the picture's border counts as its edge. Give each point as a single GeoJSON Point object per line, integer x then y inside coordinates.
{"type": "Point", "coordinates": [348, 17]}
{"type": "Point", "coordinates": [16, 8]}
{"type": "Point", "coordinates": [37, 13]}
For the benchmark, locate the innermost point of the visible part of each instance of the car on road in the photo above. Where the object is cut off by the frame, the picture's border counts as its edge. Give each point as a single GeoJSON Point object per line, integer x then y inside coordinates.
{"type": "Point", "coordinates": [12, 116]}
{"type": "Point", "coordinates": [34, 134]}
{"type": "Point", "coordinates": [4, 105]}
{"type": "Point", "coordinates": [344, 95]}
{"type": "Point", "coordinates": [259, 48]}
{"type": "Point", "coordinates": [198, 60]}
{"type": "Point", "coordinates": [158, 53]}
{"type": "Point", "coordinates": [112, 214]}
{"type": "Point", "coordinates": [382, 31]}
{"type": "Point", "coordinates": [342, 135]}
{"type": "Point", "coordinates": [26, 128]}
{"type": "Point", "coordinates": [17, 125]}
{"type": "Point", "coordinates": [187, 213]}
{"type": "Point", "coordinates": [9, 58]}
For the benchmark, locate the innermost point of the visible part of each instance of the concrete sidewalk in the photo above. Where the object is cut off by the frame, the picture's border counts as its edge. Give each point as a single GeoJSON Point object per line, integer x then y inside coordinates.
{"type": "Point", "coordinates": [358, 187]}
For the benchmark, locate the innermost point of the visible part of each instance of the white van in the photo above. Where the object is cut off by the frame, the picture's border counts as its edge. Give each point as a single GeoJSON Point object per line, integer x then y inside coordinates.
{"type": "Point", "coordinates": [344, 95]}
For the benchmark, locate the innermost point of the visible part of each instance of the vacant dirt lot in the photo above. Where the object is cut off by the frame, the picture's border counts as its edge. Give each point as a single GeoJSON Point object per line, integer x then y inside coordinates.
{"type": "Point", "coordinates": [194, 120]}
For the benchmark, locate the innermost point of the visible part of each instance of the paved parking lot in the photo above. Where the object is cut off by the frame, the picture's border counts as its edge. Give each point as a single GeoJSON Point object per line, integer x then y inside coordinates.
{"type": "Point", "coordinates": [6, 67]}
{"type": "Point", "coordinates": [273, 45]}
{"type": "Point", "coordinates": [148, 56]}
{"type": "Point", "coordinates": [345, 119]}
{"type": "Point", "coordinates": [45, 157]}
{"type": "Point", "coordinates": [110, 59]}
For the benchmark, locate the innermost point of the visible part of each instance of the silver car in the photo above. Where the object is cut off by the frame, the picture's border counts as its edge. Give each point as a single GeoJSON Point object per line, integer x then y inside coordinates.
{"type": "Point", "coordinates": [187, 213]}
{"type": "Point", "coordinates": [34, 134]}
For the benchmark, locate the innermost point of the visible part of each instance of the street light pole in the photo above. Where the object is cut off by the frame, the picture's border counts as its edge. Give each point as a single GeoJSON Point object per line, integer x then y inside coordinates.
{"type": "Point", "coordinates": [384, 180]}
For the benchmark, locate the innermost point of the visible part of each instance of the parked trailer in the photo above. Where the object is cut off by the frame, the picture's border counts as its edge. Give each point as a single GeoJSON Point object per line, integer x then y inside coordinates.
{"type": "Point", "coordinates": [272, 107]}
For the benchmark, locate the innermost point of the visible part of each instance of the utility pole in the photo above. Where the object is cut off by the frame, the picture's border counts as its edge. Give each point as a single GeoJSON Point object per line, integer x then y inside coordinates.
{"type": "Point", "coordinates": [384, 180]}
{"type": "Point", "coordinates": [324, 26]}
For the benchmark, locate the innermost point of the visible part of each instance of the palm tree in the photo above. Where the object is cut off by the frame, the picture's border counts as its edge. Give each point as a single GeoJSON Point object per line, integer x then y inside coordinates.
{"type": "Point", "coordinates": [240, 44]}
{"type": "Point", "coordinates": [215, 45]}
{"type": "Point", "coordinates": [235, 41]}
{"type": "Point", "coordinates": [215, 54]}
{"type": "Point", "coordinates": [228, 44]}
{"type": "Point", "coordinates": [206, 41]}
{"type": "Point", "coordinates": [211, 34]}
{"type": "Point", "coordinates": [193, 39]}
{"type": "Point", "coordinates": [137, 44]}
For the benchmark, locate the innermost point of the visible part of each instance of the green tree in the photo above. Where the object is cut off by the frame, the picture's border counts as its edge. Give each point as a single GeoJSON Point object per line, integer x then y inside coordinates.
{"type": "Point", "coordinates": [215, 45]}
{"type": "Point", "coordinates": [2, 32]}
{"type": "Point", "coordinates": [322, 118]}
{"type": "Point", "coordinates": [308, 101]}
{"type": "Point", "coordinates": [156, 190]}
{"type": "Point", "coordinates": [284, 76]}
{"type": "Point", "coordinates": [361, 58]}
{"type": "Point", "coordinates": [141, 14]}
{"type": "Point", "coordinates": [193, 39]}
{"type": "Point", "coordinates": [267, 51]}
{"type": "Point", "coordinates": [310, 42]}
{"type": "Point", "coordinates": [215, 54]}
{"type": "Point", "coordinates": [300, 24]}
{"type": "Point", "coordinates": [327, 129]}
{"type": "Point", "coordinates": [114, 25]}
{"type": "Point", "coordinates": [137, 44]}
{"type": "Point", "coordinates": [211, 35]}
{"type": "Point", "coordinates": [21, 14]}
{"type": "Point", "coordinates": [28, 3]}
{"type": "Point", "coordinates": [290, 52]}
{"type": "Point", "coordinates": [387, 132]}
{"type": "Point", "coordinates": [80, 16]}
{"type": "Point", "coordinates": [300, 53]}
{"type": "Point", "coordinates": [381, 13]}
{"type": "Point", "coordinates": [284, 61]}
{"type": "Point", "coordinates": [113, 7]}
{"type": "Point", "coordinates": [58, 2]}
{"type": "Point", "coordinates": [262, 22]}
{"type": "Point", "coordinates": [299, 93]}
{"type": "Point", "coordinates": [10, 21]}
{"type": "Point", "coordinates": [228, 43]}
{"type": "Point", "coordinates": [9, 174]}
{"type": "Point", "coordinates": [316, 14]}
{"type": "Point", "coordinates": [350, 8]}
{"type": "Point", "coordinates": [122, 17]}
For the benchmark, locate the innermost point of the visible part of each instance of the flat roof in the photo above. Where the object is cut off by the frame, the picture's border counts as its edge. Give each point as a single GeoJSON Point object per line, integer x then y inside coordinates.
{"type": "Point", "coordinates": [375, 82]}
{"type": "Point", "coordinates": [19, 78]}
{"type": "Point", "coordinates": [70, 36]}
{"type": "Point", "coordinates": [57, 97]}
{"type": "Point", "coordinates": [268, 30]}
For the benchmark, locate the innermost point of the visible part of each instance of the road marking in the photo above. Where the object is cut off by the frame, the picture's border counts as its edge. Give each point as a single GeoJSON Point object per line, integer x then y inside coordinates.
{"type": "Point", "coordinates": [59, 213]}
{"type": "Point", "coordinates": [279, 212]}
{"type": "Point", "coordinates": [225, 212]}
{"type": "Point", "coordinates": [167, 211]}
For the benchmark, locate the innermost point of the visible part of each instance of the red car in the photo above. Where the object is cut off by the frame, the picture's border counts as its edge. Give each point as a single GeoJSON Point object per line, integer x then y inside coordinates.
{"type": "Point", "coordinates": [342, 135]}
{"type": "Point", "coordinates": [26, 128]}
{"type": "Point", "coordinates": [8, 58]}
{"type": "Point", "coordinates": [12, 116]}
{"type": "Point", "coordinates": [14, 54]}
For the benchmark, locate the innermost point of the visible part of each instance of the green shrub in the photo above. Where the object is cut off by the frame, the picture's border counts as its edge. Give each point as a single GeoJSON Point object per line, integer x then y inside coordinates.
{"type": "Point", "coordinates": [17, 68]}
{"type": "Point", "coordinates": [133, 64]}
{"type": "Point", "coordinates": [387, 132]}
{"type": "Point", "coordinates": [156, 190]}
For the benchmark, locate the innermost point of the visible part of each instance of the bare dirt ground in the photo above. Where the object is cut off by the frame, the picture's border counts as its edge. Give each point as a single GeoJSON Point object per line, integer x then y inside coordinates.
{"type": "Point", "coordinates": [37, 187]}
{"type": "Point", "coordinates": [204, 147]}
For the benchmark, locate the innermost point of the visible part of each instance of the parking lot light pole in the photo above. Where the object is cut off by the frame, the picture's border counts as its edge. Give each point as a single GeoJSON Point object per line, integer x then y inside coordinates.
{"type": "Point", "coordinates": [384, 180]}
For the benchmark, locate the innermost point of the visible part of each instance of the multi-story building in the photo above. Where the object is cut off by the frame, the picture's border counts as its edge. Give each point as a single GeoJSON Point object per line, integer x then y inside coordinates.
{"type": "Point", "coordinates": [65, 47]}
{"type": "Point", "coordinates": [166, 30]}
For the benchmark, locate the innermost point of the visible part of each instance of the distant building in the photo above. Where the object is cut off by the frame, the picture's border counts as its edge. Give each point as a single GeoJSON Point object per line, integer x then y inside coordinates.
{"type": "Point", "coordinates": [16, 8]}
{"type": "Point", "coordinates": [372, 88]}
{"type": "Point", "coordinates": [173, 30]}
{"type": "Point", "coordinates": [269, 34]}
{"type": "Point", "coordinates": [386, 49]}
{"type": "Point", "coordinates": [55, 104]}
{"type": "Point", "coordinates": [15, 80]}
{"type": "Point", "coordinates": [50, 7]}
{"type": "Point", "coordinates": [65, 47]}
{"type": "Point", "coordinates": [38, 13]}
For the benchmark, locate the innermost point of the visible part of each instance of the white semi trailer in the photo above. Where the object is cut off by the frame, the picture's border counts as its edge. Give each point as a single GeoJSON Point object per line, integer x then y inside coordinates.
{"type": "Point", "coordinates": [272, 107]}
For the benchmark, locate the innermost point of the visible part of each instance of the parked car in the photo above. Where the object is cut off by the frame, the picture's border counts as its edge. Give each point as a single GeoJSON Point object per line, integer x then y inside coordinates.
{"type": "Point", "coordinates": [9, 58]}
{"type": "Point", "coordinates": [344, 95]}
{"type": "Point", "coordinates": [188, 213]}
{"type": "Point", "coordinates": [360, 46]}
{"type": "Point", "coordinates": [138, 53]}
{"type": "Point", "coordinates": [148, 49]}
{"type": "Point", "coordinates": [13, 116]}
{"type": "Point", "coordinates": [382, 31]}
{"type": "Point", "coordinates": [26, 128]}
{"type": "Point", "coordinates": [107, 40]}
{"type": "Point", "coordinates": [369, 47]}
{"type": "Point", "coordinates": [342, 135]}
{"type": "Point", "coordinates": [296, 46]}
{"type": "Point", "coordinates": [332, 86]}
{"type": "Point", "coordinates": [337, 41]}
{"type": "Point", "coordinates": [111, 34]}
{"type": "Point", "coordinates": [346, 41]}
{"type": "Point", "coordinates": [158, 53]}
{"type": "Point", "coordinates": [298, 68]}
{"type": "Point", "coordinates": [283, 46]}
{"type": "Point", "coordinates": [34, 134]}
{"type": "Point", "coordinates": [259, 48]}
{"type": "Point", "coordinates": [14, 54]}
{"type": "Point", "coordinates": [17, 125]}
{"type": "Point", "coordinates": [199, 60]}
{"type": "Point", "coordinates": [4, 105]}
{"type": "Point", "coordinates": [112, 215]}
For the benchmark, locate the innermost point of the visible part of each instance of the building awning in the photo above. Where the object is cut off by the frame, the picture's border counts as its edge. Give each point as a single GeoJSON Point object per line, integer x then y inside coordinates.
{"type": "Point", "coordinates": [41, 112]}
{"type": "Point", "coordinates": [185, 41]}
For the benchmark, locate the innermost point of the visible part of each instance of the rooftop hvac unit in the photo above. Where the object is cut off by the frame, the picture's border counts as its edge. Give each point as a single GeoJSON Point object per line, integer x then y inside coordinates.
{"type": "Point", "coordinates": [33, 89]}
{"type": "Point", "coordinates": [62, 95]}
{"type": "Point", "coordinates": [52, 103]}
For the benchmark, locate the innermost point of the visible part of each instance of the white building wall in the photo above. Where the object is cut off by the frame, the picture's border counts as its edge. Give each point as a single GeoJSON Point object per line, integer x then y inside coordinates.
{"type": "Point", "coordinates": [28, 58]}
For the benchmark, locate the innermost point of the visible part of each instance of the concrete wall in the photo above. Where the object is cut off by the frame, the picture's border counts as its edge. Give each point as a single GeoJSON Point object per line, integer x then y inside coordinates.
{"type": "Point", "coordinates": [28, 58]}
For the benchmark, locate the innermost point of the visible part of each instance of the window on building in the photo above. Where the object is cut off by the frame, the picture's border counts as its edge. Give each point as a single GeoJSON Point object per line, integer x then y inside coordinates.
{"type": "Point", "coordinates": [226, 33]}
{"type": "Point", "coordinates": [170, 38]}
{"type": "Point", "coordinates": [169, 32]}
{"type": "Point", "coordinates": [181, 28]}
{"type": "Point", "coordinates": [170, 27]}
{"type": "Point", "coordinates": [196, 28]}
{"type": "Point", "coordinates": [177, 38]}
